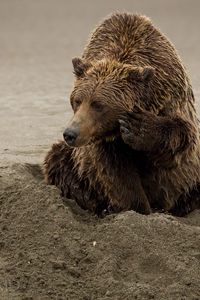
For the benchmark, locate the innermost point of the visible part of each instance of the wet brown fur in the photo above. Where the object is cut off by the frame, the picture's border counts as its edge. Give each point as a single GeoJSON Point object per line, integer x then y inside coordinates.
{"type": "Point", "coordinates": [131, 69]}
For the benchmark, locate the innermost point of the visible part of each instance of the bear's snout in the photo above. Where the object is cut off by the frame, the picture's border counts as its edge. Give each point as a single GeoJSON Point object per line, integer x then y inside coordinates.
{"type": "Point", "coordinates": [70, 135]}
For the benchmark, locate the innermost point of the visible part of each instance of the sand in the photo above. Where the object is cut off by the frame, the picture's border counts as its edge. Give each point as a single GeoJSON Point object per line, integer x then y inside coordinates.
{"type": "Point", "coordinates": [49, 247]}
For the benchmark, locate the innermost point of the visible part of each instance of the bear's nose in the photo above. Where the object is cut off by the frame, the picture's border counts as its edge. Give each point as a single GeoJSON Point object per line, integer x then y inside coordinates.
{"type": "Point", "coordinates": [70, 136]}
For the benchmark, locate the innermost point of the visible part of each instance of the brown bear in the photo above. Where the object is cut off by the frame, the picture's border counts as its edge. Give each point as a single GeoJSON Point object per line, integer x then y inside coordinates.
{"type": "Point", "coordinates": [133, 142]}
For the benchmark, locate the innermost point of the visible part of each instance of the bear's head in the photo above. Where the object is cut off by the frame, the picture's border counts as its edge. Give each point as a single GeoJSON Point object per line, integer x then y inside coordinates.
{"type": "Point", "coordinates": [104, 91]}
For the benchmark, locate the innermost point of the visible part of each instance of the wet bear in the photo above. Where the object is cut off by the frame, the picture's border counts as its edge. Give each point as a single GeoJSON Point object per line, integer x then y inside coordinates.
{"type": "Point", "coordinates": [133, 142]}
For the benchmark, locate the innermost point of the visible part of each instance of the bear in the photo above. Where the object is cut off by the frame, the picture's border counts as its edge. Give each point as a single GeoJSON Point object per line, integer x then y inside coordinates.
{"type": "Point", "coordinates": [133, 141]}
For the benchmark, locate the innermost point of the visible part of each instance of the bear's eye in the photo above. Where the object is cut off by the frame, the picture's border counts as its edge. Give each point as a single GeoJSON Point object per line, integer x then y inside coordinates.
{"type": "Point", "coordinates": [76, 103]}
{"type": "Point", "coordinates": [97, 106]}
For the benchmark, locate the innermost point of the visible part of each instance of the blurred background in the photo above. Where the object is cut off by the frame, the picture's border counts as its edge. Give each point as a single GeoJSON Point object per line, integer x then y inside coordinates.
{"type": "Point", "coordinates": [37, 42]}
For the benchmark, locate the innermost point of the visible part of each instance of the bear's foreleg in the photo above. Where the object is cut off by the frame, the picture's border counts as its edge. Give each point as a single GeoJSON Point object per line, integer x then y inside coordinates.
{"type": "Point", "coordinates": [162, 137]}
{"type": "Point", "coordinates": [59, 170]}
{"type": "Point", "coordinates": [127, 194]}
{"type": "Point", "coordinates": [187, 202]}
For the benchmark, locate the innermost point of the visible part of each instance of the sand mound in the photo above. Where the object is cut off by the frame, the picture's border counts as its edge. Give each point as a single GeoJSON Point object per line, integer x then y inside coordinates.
{"type": "Point", "coordinates": [53, 250]}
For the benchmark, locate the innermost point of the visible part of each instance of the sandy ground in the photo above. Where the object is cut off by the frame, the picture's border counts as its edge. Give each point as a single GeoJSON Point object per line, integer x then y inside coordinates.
{"type": "Point", "coordinates": [54, 250]}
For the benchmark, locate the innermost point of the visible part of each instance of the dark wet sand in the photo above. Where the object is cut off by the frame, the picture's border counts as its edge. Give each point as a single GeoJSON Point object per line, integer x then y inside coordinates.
{"type": "Point", "coordinates": [53, 251]}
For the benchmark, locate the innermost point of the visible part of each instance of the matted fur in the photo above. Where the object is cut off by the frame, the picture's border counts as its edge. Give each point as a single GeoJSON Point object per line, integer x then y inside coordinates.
{"type": "Point", "coordinates": [130, 64]}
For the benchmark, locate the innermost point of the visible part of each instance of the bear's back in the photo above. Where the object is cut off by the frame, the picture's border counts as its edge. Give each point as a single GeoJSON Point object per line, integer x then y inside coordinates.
{"type": "Point", "coordinates": [133, 39]}
{"type": "Point", "coordinates": [130, 39]}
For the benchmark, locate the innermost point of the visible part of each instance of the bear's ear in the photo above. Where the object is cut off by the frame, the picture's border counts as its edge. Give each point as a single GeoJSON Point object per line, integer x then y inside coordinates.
{"type": "Point", "coordinates": [80, 67]}
{"type": "Point", "coordinates": [143, 74]}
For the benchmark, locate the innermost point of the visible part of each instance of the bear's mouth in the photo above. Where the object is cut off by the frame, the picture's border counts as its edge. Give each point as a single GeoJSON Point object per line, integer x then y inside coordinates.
{"type": "Point", "coordinates": [109, 136]}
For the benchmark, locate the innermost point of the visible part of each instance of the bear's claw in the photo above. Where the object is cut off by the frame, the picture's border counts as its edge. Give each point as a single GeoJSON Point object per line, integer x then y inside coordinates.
{"type": "Point", "coordinates": [124, 129]}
